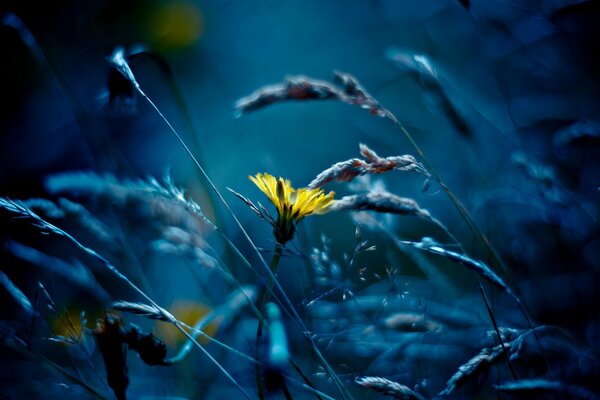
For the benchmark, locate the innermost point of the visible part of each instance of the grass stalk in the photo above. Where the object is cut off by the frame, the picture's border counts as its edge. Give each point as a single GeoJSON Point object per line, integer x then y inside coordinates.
{"type": "Point", "coordinates": [259, 329]}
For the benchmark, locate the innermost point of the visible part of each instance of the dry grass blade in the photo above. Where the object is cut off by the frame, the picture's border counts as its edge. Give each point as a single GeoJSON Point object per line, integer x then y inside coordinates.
{"type": "Point", "coordinates": [118, 60]}
{"type": "Point", "coordinates": [347, 90]}
{"type": "Point", "coordinates": [472, 368]}
{"type": "Point", "coordinates": [21, 211]}
{"type": "Point", "coordinates": [262, 213]}
{"type": "Point", "coordinates": [343, 171]}
{"type": "Point", "coordinates": [382, 202]}
{"type": "Point", "coordinates": [294, 88]}
{"type": "Point", "coordinates": [431, 246]}
{"type": "Point", "coordinates": [383, 164]}
{"type": "Point", "coordinates": [141, 309]}
{"type": "Point", "coordinates": [422, 68]}
{"type": "Point", "coordinates": [45, 207]}
{"type": "Point", "coordinates": [346, 171]}
{"type": "Point", "coordinates": [355, 94]}
{"type": "Point", "coordinates": [513, 341]}
{"type": "Point", "coordinates": [389, 388]}
{"type": "Point", "coordinates": [527, 387]}
{"type": "Point", "coordinates": [417, 64]}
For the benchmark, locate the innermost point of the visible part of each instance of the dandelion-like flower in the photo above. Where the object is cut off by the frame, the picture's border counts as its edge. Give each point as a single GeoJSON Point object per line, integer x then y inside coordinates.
{"type": "Point", "coordinates": [292, 204]}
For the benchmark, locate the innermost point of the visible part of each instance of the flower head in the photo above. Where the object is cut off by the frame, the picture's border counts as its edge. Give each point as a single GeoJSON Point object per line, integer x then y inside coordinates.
{"type": "Point", "coordinates": [292, 204]}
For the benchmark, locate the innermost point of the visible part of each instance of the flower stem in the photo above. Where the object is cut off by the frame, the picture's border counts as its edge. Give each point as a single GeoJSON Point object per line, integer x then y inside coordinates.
{"type": "Point", "coordinates": [261, 321]}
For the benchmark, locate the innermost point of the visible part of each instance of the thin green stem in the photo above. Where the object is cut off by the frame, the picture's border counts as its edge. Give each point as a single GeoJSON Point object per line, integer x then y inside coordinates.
{"type": "Point", "coordinates": [259, 329]}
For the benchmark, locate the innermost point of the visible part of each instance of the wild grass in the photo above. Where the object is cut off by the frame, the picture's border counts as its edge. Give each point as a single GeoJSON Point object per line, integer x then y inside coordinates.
{"type": "Point", "coordinates": [393, 315]}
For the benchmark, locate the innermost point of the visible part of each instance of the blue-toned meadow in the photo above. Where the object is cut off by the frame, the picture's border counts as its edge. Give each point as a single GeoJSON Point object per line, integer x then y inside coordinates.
{"type": "Point", "coordinates": [330, 200]}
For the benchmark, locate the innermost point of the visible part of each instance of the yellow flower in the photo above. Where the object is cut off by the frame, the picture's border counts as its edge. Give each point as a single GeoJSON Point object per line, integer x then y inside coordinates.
{"type": "Point", "coordinates": [292, 204]}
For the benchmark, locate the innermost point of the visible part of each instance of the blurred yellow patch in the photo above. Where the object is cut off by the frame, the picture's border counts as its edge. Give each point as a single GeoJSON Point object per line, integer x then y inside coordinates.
{"type": "Point", "coordinates": [69, 329]}
{"type": "Point", "coordinates": [175, 25]}
{"type": "Point", "coordinates": [189, 312]}
{"type": "Point", "coordinates": [68, 323]}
